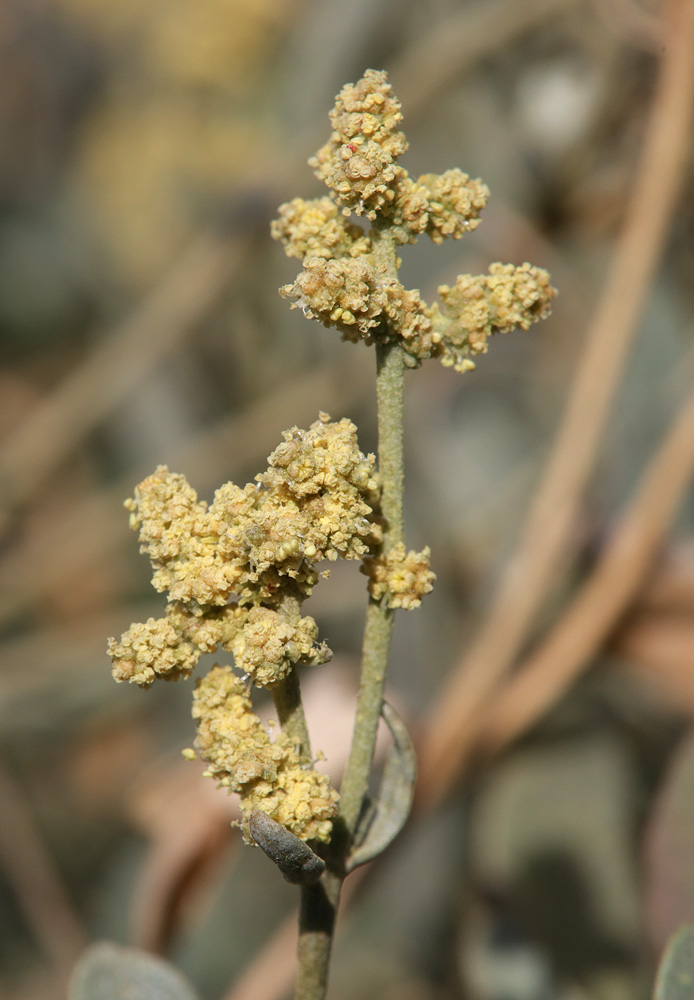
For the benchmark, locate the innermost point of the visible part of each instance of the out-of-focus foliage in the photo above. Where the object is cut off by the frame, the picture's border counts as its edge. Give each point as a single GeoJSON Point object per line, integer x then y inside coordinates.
{"type": "Point", "coordinates": [676, 971]}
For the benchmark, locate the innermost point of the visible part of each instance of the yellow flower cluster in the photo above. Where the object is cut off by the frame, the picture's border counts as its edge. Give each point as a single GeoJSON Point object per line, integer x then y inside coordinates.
{"type": "Point", "coordinates": [317, 229]}
{"type": "Point", "coordinates": [228, 567]}
{"type": "Point", "coordinates": [480, 305]}
{"type": "Point", "coordinates": [441, 205]}
{"type": "Point", "coordinates": [268, 775]}
{"type": "Point", "coordinates": [400, 578]}
{"type": "Point", "coordinates": [344, 282]}
{"type": "Point", "coordinates": [170, 647]}
{"type": "Point", "coordinates": [269, 644]}
{"type": "Point", "coordinates": [358, 163]}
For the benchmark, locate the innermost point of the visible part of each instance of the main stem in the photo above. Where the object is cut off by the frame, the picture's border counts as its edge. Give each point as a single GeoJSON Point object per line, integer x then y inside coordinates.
{"type": "Point", "coordinates": [319, 902]}
{"type": "Point", "coordinates": [378, 628]}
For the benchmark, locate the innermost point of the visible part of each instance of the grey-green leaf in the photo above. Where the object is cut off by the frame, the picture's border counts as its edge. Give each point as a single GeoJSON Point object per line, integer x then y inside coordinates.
{"type": "Point", "coordinates": [109, 972]}
{"type": "Point", "coordinates": [294, 858]}
{"type": "Point", "coordinates": [395, 795]}
{"type": "Point", "coordinates": [675, 979]}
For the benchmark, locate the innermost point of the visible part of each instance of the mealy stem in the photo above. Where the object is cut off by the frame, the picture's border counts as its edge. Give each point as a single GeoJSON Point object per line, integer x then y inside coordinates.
{"type": "Point", "coordinates": [378, 629]}
{"type": "Point", "coordinates": [379, 619]}
{"type": "Point", "coordinates": [316, 926]}
{"type": "Point", "coordinates": [286, 694]}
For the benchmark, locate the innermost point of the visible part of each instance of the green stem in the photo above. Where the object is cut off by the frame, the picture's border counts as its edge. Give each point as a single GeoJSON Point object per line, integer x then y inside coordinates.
{"type": "Point", "coordinates": [379, 619]}
{"type": "Point", "coordinates": [316, 926]}
{"type": "Point", "coordinates": [286, 694]}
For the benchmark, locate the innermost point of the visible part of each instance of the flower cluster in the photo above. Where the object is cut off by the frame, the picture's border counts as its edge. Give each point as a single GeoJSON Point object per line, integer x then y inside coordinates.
{"type": "Point", "coordinates": [229, 567]}
{"type": "Point", "coordinates": [400, 578]}
{"type": "Point", "coordinates": [267, 774]}
{"type": "Point", "coordinates": [345, 282]}
{"type": "Point", "coordinates": [236, 572]}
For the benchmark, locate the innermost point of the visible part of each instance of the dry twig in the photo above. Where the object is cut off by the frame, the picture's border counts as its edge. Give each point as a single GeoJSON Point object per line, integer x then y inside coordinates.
{"type": "Point", "coordinates": [602, 600]}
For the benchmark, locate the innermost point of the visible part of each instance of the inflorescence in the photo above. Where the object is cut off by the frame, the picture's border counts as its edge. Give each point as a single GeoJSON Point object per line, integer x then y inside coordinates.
{"type": "Point", "coordinates": [236, 571]}
{"type": "Point", "coordinates": [344, 283]}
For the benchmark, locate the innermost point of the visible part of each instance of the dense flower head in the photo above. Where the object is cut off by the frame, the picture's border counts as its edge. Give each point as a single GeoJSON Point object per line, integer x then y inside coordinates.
{"type": "Point", "coordinates": [270, 643]}
{"type": "Point", "coordinates": [342, 293]}
{"type": "Point", "coordinates": [358, 163]}
{"type": "Point", "coordinates": [268, 775]}
{"type": "Point", "coordinates": [348, 283]}
{"type": "Point", "coordinates": [229, 567]}
{"type": "Point", "coordinates": [179, 535]}
{"type": "Point", "coordinates": [170, 647]}
{"type": "Point", "coordinates": [442, 205]}
{"type": "Point", "coordinates": [149, 649]}
{"type": "Point", "coordinates": [478, 306]}
{"type": "Point", "coordinates": [317, 228]}
{"type": "Point", "coordinates": [400, 578]}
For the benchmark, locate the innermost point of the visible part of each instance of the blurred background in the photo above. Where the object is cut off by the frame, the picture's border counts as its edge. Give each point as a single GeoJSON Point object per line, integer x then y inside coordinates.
{"type": "Point", "coordinates": [145, 149]}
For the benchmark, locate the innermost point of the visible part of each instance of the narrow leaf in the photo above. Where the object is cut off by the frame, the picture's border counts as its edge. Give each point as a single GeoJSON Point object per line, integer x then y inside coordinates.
{"type": "Point", "coordinates": [294, 858]}
{"type": "Point", "coordinates": [395, 795]}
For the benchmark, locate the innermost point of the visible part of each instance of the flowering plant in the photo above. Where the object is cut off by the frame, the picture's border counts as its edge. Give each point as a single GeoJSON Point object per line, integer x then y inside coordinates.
{"type": "Point", "coordinates": [236, 571]}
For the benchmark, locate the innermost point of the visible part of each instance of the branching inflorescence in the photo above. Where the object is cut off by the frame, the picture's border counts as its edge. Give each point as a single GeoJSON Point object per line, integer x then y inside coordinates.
{"type": "Point", "coordinates": [237, 571]}
{"type": "Point", "coordinates": [344, 282]}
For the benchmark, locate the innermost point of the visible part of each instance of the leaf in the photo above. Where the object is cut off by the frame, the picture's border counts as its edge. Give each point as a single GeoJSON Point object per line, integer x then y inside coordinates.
{"type": "Point", "coordinates": [294, 858]}
{"type": "Point", "coordinates": [675, 979]}
{"type": "Point", "coordinates": [395, 795]}
{"type": "Point", "coordinates": [108, 972]}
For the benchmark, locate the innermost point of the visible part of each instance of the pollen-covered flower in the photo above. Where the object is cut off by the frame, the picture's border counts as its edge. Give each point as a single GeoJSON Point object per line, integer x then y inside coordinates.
{"type": "Point", "coordinates": [180, 537]}
{"type": "Point", "coordinates": [170, 647]}
{"type": "Point", "coordinates": [350, 278]}
{"type": "Point", "coordinates": [269, 644]}
{"type": "Point", "coordinates": [268, 775]}
{"type": "Point", "coordinates": [340, 293]}
{"type": "Point", "coordinates": [228, 567]}
{"type": "Point", "coordinates": [153, 648]}
{"type": "Point", "coordinates": [454, 202]}
{"type": "Point", "coordinates": [324, 459]}
{"type": "Point", "coordinates": [317, 229]}
{"type": "Point", "coordinates": [359, 162]}
{"type": "Point", "coordinates": [478, 306]}
{"type": "Point", "coordinates": [400, 578]}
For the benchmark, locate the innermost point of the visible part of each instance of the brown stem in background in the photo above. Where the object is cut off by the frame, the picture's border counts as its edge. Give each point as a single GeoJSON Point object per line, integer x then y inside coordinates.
{"type": "Point", "coordinates": [604, 597]}
{"type": "Point", "coordinates": [544, 540]}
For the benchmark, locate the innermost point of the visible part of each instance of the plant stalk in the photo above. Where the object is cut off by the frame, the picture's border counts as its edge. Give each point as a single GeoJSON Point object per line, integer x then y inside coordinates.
{"type": "Point", "coordinates": [286, 694]}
